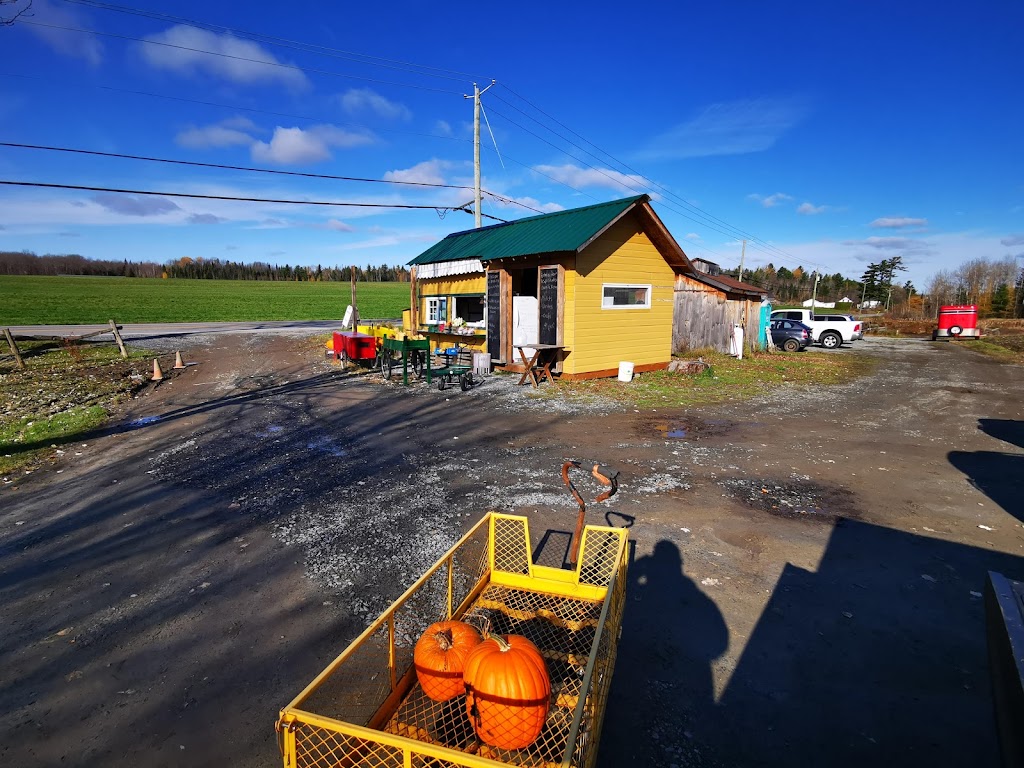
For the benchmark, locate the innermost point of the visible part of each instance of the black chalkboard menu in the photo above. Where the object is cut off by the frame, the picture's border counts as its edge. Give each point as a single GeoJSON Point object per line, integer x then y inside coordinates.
{"type": "Point", "coordinates": [494, 315]}
{"type": "Point", "coordinates": [548, 301]}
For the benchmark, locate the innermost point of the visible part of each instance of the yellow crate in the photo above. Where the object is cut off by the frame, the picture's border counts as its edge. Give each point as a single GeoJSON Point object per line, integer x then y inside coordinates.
{"type": "Point", "coordinates": [367, 709]}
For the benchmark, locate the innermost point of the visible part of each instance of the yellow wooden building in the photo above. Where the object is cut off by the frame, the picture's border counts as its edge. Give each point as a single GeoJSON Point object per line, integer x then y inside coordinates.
{"type": "Point", "coordinates": [597, 282]}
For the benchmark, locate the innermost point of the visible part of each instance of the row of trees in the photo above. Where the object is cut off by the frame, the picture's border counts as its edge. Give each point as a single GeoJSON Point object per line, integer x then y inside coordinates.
{"type": "Point", "coordinates": [793, 286]}
{"type": "Point", "coordinates": [27, 263]}
{"type": "Point", "coordinates": [995, 285]}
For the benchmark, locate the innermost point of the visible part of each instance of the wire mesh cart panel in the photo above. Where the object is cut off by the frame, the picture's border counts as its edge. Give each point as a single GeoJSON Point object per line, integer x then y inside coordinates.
{"type": "Point", "coordinates": [367, 708]}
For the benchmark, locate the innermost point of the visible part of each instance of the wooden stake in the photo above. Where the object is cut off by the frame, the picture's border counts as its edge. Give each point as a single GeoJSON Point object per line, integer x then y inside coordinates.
{"type": "Point", "coordinates": [14, 349]}
{"type": "Point", "coordinates": [118, 339]}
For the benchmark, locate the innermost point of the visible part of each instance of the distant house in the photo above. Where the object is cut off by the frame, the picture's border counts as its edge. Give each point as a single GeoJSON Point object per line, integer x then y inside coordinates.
{"type": "Point", "coordinates": [823, 304]}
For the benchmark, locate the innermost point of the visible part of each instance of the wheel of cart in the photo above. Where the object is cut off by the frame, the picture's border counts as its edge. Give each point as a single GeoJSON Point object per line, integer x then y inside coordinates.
{"type": "Point", "coordinates": [406, 355]}
{"type": "Point", "coordinates": [447, 376]}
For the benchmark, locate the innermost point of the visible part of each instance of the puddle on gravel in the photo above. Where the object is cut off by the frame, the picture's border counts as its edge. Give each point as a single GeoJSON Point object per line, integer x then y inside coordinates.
{"type": "Point", "coordinates": [687, 428]}
{"type": "Point", "coordinates": [798, 500]}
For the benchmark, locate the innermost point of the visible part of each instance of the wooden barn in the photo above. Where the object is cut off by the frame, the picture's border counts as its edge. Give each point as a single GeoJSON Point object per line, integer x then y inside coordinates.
{"type": "Point", "coordinates": [596, 286]}
{"type": "Point", "coordinates": [709, 304]}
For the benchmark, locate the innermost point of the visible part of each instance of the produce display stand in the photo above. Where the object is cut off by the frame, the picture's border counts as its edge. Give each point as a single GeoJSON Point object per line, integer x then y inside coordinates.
{"type": "Point", "coordinates": [367, 708]}
{"type": "Point", "coordinates": [395, 352]}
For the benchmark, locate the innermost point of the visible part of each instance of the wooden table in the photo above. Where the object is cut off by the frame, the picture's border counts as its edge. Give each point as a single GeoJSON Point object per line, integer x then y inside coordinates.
{"type": "Point", "coordinates": [539, 366]}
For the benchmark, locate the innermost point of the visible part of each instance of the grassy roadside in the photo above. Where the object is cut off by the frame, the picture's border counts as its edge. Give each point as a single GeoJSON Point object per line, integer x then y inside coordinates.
{"type": "Point", "coordinates": [64, 393]}
{"type": "Point", "coordinates": [1007, 349]}
{"type": "Point", "coordinates": [727, 379]}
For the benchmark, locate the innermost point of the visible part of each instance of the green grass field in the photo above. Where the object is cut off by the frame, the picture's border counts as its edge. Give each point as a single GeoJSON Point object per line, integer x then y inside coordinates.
{"type": "Point", "coordinates": [32, 300]}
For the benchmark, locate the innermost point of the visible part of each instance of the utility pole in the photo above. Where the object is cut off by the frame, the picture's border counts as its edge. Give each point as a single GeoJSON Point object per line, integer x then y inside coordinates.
{"type": "Point", "coordinates": [743, 255]}
{"type": "Point", "coordinates": [814, 292]}
{"type": "Point", "coordinates": [477, 93]}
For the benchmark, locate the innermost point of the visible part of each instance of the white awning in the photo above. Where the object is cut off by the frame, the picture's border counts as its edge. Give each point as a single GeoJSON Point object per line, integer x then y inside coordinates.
{"type": "Point", "coordinates": [448, 268]}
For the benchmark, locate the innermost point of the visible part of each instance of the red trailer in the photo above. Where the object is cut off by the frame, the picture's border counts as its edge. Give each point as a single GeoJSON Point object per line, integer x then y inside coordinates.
{"type": "Point", "coordinates": [350, 345]}
{"type": "Point", "coordinates": [957, 322]}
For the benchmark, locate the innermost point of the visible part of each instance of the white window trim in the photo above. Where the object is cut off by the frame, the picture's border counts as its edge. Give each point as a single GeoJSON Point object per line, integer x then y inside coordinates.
{"type": "Point", "coordinates": [646, 305]}
{"type": "Point", "coordinates": [433, 310]}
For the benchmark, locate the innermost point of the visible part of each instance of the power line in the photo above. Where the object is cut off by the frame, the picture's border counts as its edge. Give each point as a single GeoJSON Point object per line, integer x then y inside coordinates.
{"type": "Point", "coordinates": [241, 58]}
{"type": "Point", "coordinates": [229, 197]}
{"type": "Point", "coordinates": [222, 166]}
{"type": "Point", "coordinates": [361, 58]}
{"type": "Point", "coordinates": [757, 243]}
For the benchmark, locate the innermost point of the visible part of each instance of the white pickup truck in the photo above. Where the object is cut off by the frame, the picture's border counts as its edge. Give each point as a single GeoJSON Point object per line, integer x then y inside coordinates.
{"type": "Point", "coordinates": [828, 330]}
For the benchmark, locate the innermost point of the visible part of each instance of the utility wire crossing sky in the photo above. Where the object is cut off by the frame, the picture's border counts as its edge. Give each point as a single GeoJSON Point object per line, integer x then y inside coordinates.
{"type": "Point", "coordinates": [826, 137]}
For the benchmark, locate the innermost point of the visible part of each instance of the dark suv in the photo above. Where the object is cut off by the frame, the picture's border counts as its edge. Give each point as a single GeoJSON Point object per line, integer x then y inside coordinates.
{"type": "Point", "coordinates": [791, 335]}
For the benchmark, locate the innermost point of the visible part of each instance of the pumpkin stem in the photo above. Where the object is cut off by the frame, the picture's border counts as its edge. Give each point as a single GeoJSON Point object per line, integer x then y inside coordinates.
{"type": "Point", "coordinates": [444, 639]}
{"type": "Point", "coordinates": [503, 644]}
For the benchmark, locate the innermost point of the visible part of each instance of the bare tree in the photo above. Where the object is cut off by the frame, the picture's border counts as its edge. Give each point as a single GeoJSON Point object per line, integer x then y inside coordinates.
{"type": "Point", "coordinates": [7, 18]}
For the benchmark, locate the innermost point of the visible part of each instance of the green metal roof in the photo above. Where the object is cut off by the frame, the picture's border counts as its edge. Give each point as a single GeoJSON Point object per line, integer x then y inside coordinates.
{"type": "Point", "coordinates": [548, 233]}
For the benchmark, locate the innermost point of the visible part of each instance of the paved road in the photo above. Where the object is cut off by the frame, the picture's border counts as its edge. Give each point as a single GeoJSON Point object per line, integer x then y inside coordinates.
{"type": "Point", "coordinates": [154, 330]}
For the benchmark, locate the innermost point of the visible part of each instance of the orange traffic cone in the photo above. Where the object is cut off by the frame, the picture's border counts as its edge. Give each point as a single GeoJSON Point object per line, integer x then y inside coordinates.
{"type": "Point", "coordinates": [177, 361]}
{"type": "Point", "coordinates": [158, 375]}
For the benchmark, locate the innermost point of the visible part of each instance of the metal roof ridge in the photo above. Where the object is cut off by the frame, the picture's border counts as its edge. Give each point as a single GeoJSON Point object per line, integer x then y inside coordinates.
{"type": "Point", "coordinates": [552, 214]}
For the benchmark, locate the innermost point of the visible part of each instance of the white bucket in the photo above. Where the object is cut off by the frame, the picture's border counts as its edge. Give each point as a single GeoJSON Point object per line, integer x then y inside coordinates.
{"type": "Point", "coordinates": [482, 363]}
{"type": "Point", "coordinates": [625, 371]}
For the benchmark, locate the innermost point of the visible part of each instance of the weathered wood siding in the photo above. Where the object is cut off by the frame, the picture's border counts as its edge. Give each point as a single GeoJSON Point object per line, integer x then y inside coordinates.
{"type": "Point", "coordinates": [598, 338]}
{"type": "Point", "coordinates": [704, 317]}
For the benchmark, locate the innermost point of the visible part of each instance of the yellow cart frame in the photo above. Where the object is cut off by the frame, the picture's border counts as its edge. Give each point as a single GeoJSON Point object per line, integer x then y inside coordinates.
{"type": "Point", "coordinates": [367, 709]}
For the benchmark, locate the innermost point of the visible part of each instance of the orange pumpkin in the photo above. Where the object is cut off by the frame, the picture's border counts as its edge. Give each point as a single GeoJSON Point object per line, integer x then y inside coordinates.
{"type": "Point", "coordinates": [508, 691]}
{"type": "Point", "coordinates": [440, 655]}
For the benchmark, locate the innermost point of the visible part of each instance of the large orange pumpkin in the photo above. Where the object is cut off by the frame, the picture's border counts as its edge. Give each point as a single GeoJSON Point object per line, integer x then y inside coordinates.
{"type": "Point", "coordinates": [440, 656]}
{"type": "Point", "coordinates": [508, 691]}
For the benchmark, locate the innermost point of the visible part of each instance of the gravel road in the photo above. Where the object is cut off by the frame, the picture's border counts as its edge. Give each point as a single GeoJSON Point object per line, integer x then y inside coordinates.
{"type": "Point", "coordinates": [805, 584]}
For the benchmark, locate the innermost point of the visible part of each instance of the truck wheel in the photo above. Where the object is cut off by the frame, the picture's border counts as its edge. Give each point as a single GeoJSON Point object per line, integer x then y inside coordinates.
{"type": "Point", "coordinates": [791, 345]}
{"type": "Point", "coordinates": [831, 340]}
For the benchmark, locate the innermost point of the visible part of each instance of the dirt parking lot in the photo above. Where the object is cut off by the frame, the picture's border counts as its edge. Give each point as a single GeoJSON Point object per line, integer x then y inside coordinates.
{"type": "Point", "coordinates": [805, 586]}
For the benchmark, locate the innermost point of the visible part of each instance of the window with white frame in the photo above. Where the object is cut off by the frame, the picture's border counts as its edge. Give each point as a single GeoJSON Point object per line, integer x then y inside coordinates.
{"type": "Point", "coordinates": [436, 309]}
{"type": "Point", "coordinates": [624, 296]}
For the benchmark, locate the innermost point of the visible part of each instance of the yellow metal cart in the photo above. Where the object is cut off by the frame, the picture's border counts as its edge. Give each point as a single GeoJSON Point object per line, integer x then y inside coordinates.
{"type": "Point", "coordinates": [367, 709]}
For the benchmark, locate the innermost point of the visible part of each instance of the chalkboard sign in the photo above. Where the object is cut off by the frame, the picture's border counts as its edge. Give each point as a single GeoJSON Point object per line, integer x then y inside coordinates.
{"type": "Point", "coordinates": [494, 315]}
{"type": "Point", "coordinates": [548, 305]}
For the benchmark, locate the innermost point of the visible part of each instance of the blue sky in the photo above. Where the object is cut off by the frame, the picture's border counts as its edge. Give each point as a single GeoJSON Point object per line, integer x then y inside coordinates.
{"type": "Point", "coordinates": [830, 134]}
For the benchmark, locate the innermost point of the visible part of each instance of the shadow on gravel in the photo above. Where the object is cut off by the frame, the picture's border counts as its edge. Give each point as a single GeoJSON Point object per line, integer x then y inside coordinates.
{"type": "Point", "coordinates": [998, 475]}
{"type": "Point", "coordinates": [878, 653]}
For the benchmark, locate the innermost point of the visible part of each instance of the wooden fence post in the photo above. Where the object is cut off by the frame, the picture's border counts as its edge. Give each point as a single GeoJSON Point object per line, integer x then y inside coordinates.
{"type": "Point", "coordinates": [14, 349]}
{"type": "Point", "coordinates": [118, 339]}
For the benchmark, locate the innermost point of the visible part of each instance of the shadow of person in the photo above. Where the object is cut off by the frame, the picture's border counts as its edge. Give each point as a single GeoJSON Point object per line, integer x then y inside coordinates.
{"type": "Point", "coordinates": [672, 632]}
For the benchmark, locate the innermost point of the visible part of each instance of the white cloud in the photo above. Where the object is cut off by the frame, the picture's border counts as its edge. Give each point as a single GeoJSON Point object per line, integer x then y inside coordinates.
{"type": "Point", "coordinates": [78, 45]}
{"type": "Point", "coordinates": [728, 128]}
{"type": "Point", "coordinates": [809, 209]}
{"type": "Point", "coordinates": [339, 226]}
{"type": "Point", "coordinates": [205, 218]}
{"type": "Point", "coordinates": [897, 222]}
{"type": "Point", "coordinates": [427, 172]}
{"type": "Point", "coordinates": [190, 51]}
{"type": "Point", "coordinates": [132, 205]}
{"type": "Point", "coordinates": [361, 100]}
{"type": "Point", "coordinates": [694, 237]}
{"type": "Point", "coordinates": [772, 200]}
{"type": "Point", "coordinates": [581, 178]}
{"type": "Point", "coordinates": [443, 128]}
{"type": "Point", "coordinates": [227, 133]}
{"type": "Point", "coordinates": [295, 146]}
{"type": "Point", "coordinates": [888, 243]}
